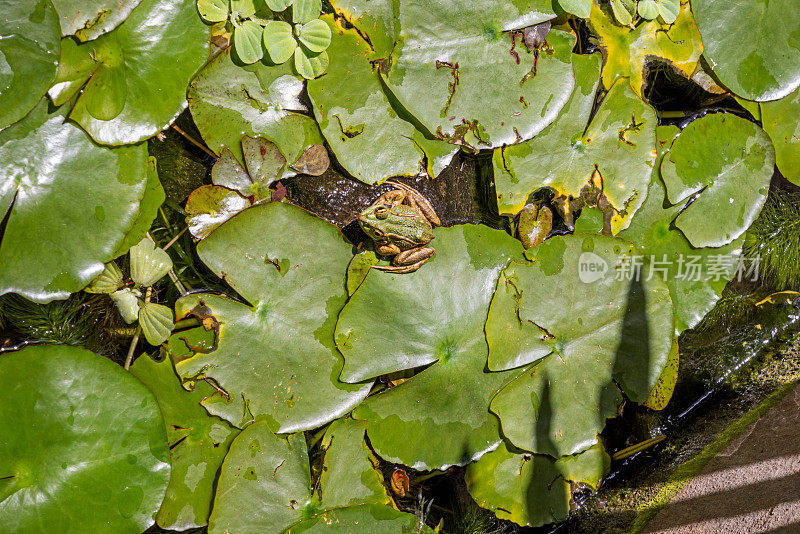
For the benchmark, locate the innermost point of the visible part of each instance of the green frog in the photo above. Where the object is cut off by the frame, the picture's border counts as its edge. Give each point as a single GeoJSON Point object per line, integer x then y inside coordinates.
{"type": "Point", "coordinates": [401, 224]}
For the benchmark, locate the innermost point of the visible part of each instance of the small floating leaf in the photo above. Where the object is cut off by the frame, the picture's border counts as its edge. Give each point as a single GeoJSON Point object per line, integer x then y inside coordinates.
{"type": "Point", "coordinates": [279, 40]}
{"type": "Point", "coordinates": [305, 10]}
{"type": "Point", "coordinates": [247, 37]}
{"type": "Point", "coordinates": [127, 302]}
{"type": "Point", "coordinates": [156, 321]}
{"type": "Point", "coordinates": [109, 280]}
{"type": "Point", "coordinates": [148, 263]}
{"type": "Point", "coordinates": [213, 10]}
{"type": "Point", "coordinates": [315, 35]}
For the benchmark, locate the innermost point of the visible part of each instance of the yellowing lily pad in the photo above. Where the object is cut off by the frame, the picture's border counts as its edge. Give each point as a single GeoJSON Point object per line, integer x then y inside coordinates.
{"type": "Point", "coordinates": [753, 46]}
{"type": "Point", "coordinates": [83, 444]}
{"type": "Point", "coordinates": [434, 315]}
{"type": "Point", "coordinates": [275, 358]}
{"type": "Point", "coordinates": [88, 19]}
{"type": "Point", "coordinates": [618, 142]}
{"type": "Point", "coordinates": [373, 18]}
{"type": "Point", "coordinates": [457, 70]}
{"type": "Point", "coordinates": [613, 330]}
{"type": "Point", "coordinates": [729, 161]}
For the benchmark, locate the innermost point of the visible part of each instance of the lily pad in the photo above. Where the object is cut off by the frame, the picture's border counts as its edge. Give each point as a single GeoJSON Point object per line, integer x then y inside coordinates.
{"type": "Point", "coordinates": [729, 161]}
{"type": "Point", "coordinates": [154, 196]}
{"type": "Point", "coordinates": [618, 142]}
{"type": "Point", "coordinates": [349, 476]}
{"type": "Point", "coordinates": [610, 332]}
{"type": "Point", "coordinates": [695, 276]}
{"type": "Point", "coordinates": [362, 519]}
{"type": "Point", "coordinates": [754, 49]}
{"type": "Point", "coordinates": [532, 489]}
{"type": "Point", "coordinates": [211, 205]}
{"type": "Point", "coordinates": [54, 197]}
{"type": "Point", "coordinates": [276, 359]}
{"type": "Point", "coordinates": [29, 52]}
{"type": "Point", "coordinates": [368, 137]}
{"type": "Point", "coordinates": [135, 82]}
{"type": "Point", "coordinates": [373, 18]}
{"type": "Point", "coordinates": [629, 52]}
{"type": "Point", "coordinates": [198, 443]}
{"type": "Point", "coordinates": [90, 452]}
{"type": "Point", "coordinates": [229, 101]}
{"type": "Point", "coordinates": [779, 119]}
{"type": "Point", "coordinates": [403, 321]}
{"type": "Point", "coordinates": [88, 19]}
{"type": "Point", "coordinates": [454, 70]}
{"type": "Point", "coordinates": [265, 484]}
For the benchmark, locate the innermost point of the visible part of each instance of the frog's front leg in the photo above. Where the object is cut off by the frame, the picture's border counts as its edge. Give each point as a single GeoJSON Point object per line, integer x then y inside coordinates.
{"type": "Point", "coordinates": [409, 260]}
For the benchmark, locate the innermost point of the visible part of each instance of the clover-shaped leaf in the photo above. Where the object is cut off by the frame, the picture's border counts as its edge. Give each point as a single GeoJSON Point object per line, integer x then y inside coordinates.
{"type": "Point", "coordinates": [109, 280]}
{"type": "Point", "coordinates": [88, 451]}
{"type": "Point", "coordinates": [305, 10]}
{"type": "Point", "coordinates": [275, 255]}
{"type": "Point", "coordinates": [727, 160]}
{"type": "Point", "coordinates": [278, 5]}
{"type": "Point", "coordinates": [403, 321]}
{"type": "Point", "coordinates": [308, 66]}
{"type": "Point", "coordinates": [127, 302]}
{"type": "Point", "coordinates": [156, 322]}
{"type": "Point", "coordinates": [613, 330]}
{"type": "Point", "coordinates": [52, 197]}
{"type": "Point", "coordinates": [247, 37]}
{"type": "Point", "coordinates": [29, 51]}
{"type": "Point", "coordinates": [458, 72]}
{"type": "Point", "coordinates": [315, 35]}
{"type": "Point", "coordinates": [753, 49]}
{"type": "Point", "coordinates": [279, 40]}
{"type": "Point", "coordinates": [213, 10]}
{"type": "Point", "coordinates": [580, 8]}
{"type": "Point", "coordinates": [148, 263]}
{"type": "Point", "coordinates": [617, 142]}
{"type": "Point", "coordinates": [198, 443]}
{"type": "Point", "coordinates": [124, 68]}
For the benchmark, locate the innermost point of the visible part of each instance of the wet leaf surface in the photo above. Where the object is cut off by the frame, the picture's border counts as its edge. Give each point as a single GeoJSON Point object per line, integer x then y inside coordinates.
{"type": "Point", "coordinates": [29, 52]}
{"type": "Point", "coordinates": [609, 333]}
{"type": "Point", "coordinates": [44, 164]}
{"type": "Point", "coordinates": [228, 101]}
{"type": "Point", "coordinates": [454, 70]}
{"type": "Point", "coordinates": [88, 19]}
{"type": "Point", "coordinates": [198, 443]}
{"type": "Point", "coordinates": [373, 18]}
{"type": "Point", "coordinates": [753, 49]}
{"type": "Point", "coordinates": [532, 489]}
{"type": "Point", "coordinates": [618, 142]}
{"type": "Point", "coordinates": [366, 519]}
{"type": "Point", "coordinates": [729, 161]}
{"type": "Point", "coordinates": [432, 316]}
{"type": "Point", "coordinates": [123, 69]}
{"type": "Point", "coordinates": [779, 119]}
{"type": "Point", "coordinates": [276, 359]}
{"type": "Point", "coordinates": [73, 454]}
{"type": "Point", "coordinates": [211, 205]}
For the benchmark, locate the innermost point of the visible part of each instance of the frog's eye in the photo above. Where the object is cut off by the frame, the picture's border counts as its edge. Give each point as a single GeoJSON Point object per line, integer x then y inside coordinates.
{"type": "Point", "coordinates": [381, 212]}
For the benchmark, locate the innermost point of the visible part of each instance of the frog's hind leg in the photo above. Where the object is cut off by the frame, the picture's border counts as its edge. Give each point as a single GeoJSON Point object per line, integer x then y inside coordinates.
{"type": "Point", "coordinates": [415, 199]}
{"type": "Point", "coordinates": [408, 261]}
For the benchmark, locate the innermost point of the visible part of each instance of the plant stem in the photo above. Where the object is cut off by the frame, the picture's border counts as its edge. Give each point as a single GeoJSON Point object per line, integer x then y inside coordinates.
{"type": "Point", "coordinates": [196, 143]}
{"type": "Point", "coordinates": [135, 340]}
{"type": "Point", "coordinates": [171, 241]}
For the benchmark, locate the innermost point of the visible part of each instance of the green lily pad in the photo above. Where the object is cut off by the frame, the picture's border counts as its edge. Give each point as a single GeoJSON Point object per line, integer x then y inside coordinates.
{"type": "Point", "coordinates": [373, 18]}
{"type": "Point", "coordinates": [609, 332]}
{"type": "Point", "coordinates": [368, 137]}
{"type": "Point", "coordinates": [211, 205]}
{"type": "Point", "coordinates": [402, 321]}
{"type": "Point", "coordinates": [228, 101]}
{"type": "Point", "coordinates": [89, 19]}
{"type": "Point", "coordinates": [276, 359]}
{"type": "Point", "coordinates": [779, 119]}
{"type": "Point", "coordinates": [154, 196]}
{"type": "Point", "coordinates": [754, 47]}
{"type": "Point", "coordinates": [362, 519]}
{"type": "Point", "coordinates": [349, 476]}
{"type": "Point", "coordinates": [198, 443]}
{"type": "Point", "coordinates": [264, 161]}
{"type": "Point", "coordinates": [629, 51]}
{"type": "Point", "coordinates": [135, 82]}
{"type": "Point", "coordinates": [29, 52]}
{"type": "Point", "coordinates": [54, 197]}
{"type": "Point", "coordinates": [454, 71]}
{"type": "Point", "coordinates": [148, 263]}
{"type": "Point", "coordinates": [532, 489]}
{"type": "Point", "coordinates": [265, 484]}
{"type": "Point", "coordinates": [88, 452]}
{"type": "Point", "coordinates": [695, 276]}
{"type": "Point", "coordinates": [729, 161]}
{"type": "Point", "coordinates": [618, 142]}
